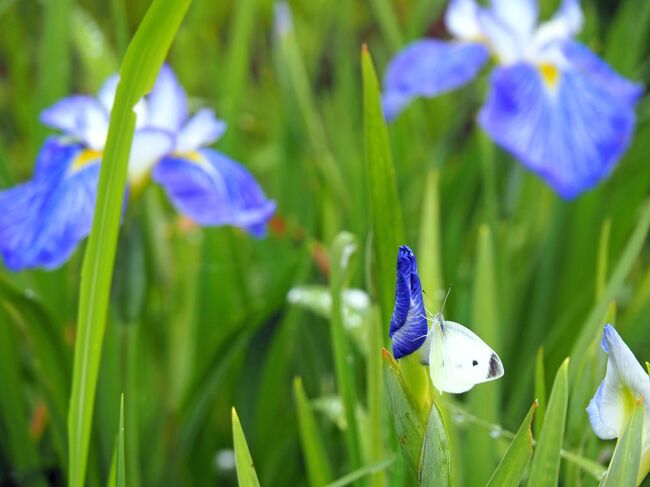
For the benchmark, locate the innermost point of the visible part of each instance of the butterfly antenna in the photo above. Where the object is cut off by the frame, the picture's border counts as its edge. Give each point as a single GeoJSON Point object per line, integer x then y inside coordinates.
{"type": "Point", "coordinates": [445, 301]}
{"type": "Point", "coordinates": [427, 317]}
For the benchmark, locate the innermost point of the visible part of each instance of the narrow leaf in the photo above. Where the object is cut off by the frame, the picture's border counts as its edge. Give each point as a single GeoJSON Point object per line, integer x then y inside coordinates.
{"type": "Point", "coordinates": [512, 467]}
{"type": "Point", "coordinates": [540, 390]}
{"type": "Point", "coordinates": [319, 470]}
{"type": "Point", "coordinates": [246, 476]}
{"type": "Point", "coordinates": [614, 284]}
{"type": "Point", "coordinates": [343, 248]}
{"type": "Point", "coordinates": [373, 468]}
{"type": "Point", "coordinates": [121, 462]}
{"type": "Point", "coordinates": [545, 469]}
{"type": "Point", "coordinates": [385, 213]}
{"type": "Point", "coordinates": [429, 251]}
{"type": "Point", "coordinates": [484, 400]}
{"type": "Point", "coordinates": [141, 64]}
{"type": "Point", "coordinates": [375, 396]}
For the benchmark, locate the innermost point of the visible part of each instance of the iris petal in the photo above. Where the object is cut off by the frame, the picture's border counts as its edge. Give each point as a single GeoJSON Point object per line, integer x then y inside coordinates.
{"type": "Point", "coordinates": [503, 40]}
{"type": "Point", "coordinates": [625, 382]}
{"type": "Point", "coordinates": [586, 62]}
{"type": "Point", "coordinates": [564, 25]}
{"type": "Point", "coordinates": [520, 17]}
{"type": "Point", "coordinates": [43, 220]}
{"type": "Point", "coordinates": [461, 19]}
{"type": "Point", "coordinates": [106, 97]}
{"type": "Point", "coordinates": [148, 146]}
{"type": "Point", "coordinates": [202, 129]}
{"type": "Point", "coordinates": [167, 102]}
{"type": "Point", "coordinates": [408, 325]}
{"type": "Point", "coordinates": [214, 190]}
{"type": "Point", "coordinates": [82, 117]}
{"type": "Point", "coordinates": [429, 68]}
{"type": "Point", "coordinates": [54, 157]}
{"type": "Point", "coordinates": [567, 129]}
{"type": "Point", "coordinates": [106, 94]}
{"type": "Point", "coordinates": [604, 430]}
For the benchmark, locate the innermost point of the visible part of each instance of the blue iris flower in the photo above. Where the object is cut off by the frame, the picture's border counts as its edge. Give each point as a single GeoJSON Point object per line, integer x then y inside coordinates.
{"type": "Point", "coordinates": [558, 108]}
{"type": "Point", "coordinates": [408, 325]}
{"type": "Point", "coordinates": [43, 220]}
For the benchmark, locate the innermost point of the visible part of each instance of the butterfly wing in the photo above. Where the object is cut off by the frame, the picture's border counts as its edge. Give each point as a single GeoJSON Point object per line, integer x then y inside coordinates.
{"type": "Point", "coordinates": [459, 359]}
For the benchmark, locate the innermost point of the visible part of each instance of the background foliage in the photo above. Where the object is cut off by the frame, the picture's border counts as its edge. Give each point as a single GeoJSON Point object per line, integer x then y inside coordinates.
{"type": "Point", "coordinates": [212, 325]}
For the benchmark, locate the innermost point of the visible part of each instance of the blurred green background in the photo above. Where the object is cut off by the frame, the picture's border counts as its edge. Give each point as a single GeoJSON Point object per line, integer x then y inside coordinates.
{"type": "Point", "coordinates": [200, 319]}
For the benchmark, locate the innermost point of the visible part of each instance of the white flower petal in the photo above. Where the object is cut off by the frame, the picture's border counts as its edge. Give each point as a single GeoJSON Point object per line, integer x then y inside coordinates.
{"type": "Point", "coordinates": [461, 20]}
{"type": "Point", "coordinates": [624, 384]}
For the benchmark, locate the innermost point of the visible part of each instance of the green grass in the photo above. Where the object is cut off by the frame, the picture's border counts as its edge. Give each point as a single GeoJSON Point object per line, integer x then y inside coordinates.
{"type": "Point", "coordinates": [213, 329]}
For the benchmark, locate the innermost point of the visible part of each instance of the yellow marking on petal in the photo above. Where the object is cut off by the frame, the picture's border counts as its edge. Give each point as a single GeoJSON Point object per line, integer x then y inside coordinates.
{"type": "Point", "coordinates": [629, 401]}
{"type": "Point", "coordinates": [550, 74]}
{"type": "Point", "coordinates": [193, 156]}
{"type": "Point", "coordinates": [85, 158]}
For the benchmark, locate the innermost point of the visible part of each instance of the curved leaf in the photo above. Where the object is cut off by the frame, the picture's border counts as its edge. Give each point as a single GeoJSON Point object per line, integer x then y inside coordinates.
{"type": "Point", "coordinates": [409, 428]}
{"type": "Point", "coordinates": [435, 462]}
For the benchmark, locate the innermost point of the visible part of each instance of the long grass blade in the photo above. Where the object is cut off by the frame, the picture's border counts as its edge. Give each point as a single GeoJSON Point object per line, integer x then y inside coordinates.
{"type": "Point", "coordinates": [512, 467]}
{"type": "Point", "coordinates": [246, 475]}
{"type": "Point", "coordinates": [141, 64]}
{"type": "Point", "coordinates": [545, 469]}
{"type": "Point", "coordinates": [318, 468]}
{"type": "Point", "coordinates": [343, 248]}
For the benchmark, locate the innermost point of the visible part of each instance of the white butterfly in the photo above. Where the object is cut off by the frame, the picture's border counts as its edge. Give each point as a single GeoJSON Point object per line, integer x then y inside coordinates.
{"type": "Point", "coordinates": [458, 359]}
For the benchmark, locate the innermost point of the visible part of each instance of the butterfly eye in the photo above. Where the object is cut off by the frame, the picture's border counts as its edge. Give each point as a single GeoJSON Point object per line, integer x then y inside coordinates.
{"type": "Point", "coordinates": [474, 363]}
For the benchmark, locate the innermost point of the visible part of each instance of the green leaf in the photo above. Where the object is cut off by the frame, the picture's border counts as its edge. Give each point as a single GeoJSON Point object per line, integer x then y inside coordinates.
{"type": "Point", "coordinates": [142, 62]}
{"type": "Point", "coordinates": [246, 476]}
{"type": "Point", "coordinates": [373, 468]}
{"type": "Point", "coordinates": [593, 468]}
{"type": "Point", "coordinates": [49, 353]}
{"type": "Point", "coordinates": [96, 58]}
{"type": "Point", "coordinates": [385, 213]}
{"type": "Point", "coordinates": [343, 248]}
{"type": "Point", "coordinates": [386, 224]}
{"type": "Point", "coordinates": [21, 451]}
{"type": "Point", "coordinates": [117, 473]}
{"type": "Point", "coordinates": [121, 462]}
{"type": "Point", "coordinates": [628, 36]}
{"type": "Point", "coordinates": [545, 469]}
{"type": "Point", "coordinates": [375, 396]}
{"type": "Point", "coordinates": [388, 23]}
{"type": "Point", "coordinates": [624, 466]}
{"type": "Point", "coordinates": [592, 323]}
{"type": "Point", "coordinates": [484, 400]}
{"type": "Point", "coordinates": [540, 390]}
{"type": "Point", "coordinates": [319, 470]}
{"type": "Point", "coordinates": [512, 467]}
{"type": "Point", "coordinates": [409, 428]}
{"type": "Point", "coordinates": [435, 461]}
{"type": "Point", "coordinates": [429, 244]}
